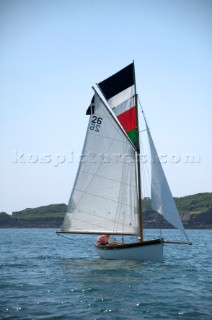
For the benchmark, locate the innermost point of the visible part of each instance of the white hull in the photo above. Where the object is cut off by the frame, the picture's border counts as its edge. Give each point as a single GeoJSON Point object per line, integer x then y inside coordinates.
{"type": "Point", "coordinates": [147, 251]}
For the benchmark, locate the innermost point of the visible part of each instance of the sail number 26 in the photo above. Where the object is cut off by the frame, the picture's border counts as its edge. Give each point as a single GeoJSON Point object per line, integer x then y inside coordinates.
{"type": "Point", "coordinates": [95, 123]}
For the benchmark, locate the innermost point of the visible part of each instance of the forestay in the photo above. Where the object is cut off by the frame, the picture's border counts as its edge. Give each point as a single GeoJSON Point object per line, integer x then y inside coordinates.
{"type": "Point", "coordinates": [104, 197]}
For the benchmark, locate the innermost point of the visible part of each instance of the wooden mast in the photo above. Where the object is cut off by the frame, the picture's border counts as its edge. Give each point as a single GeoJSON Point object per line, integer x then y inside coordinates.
{"type": "Point", "coordinates": [141, 238]}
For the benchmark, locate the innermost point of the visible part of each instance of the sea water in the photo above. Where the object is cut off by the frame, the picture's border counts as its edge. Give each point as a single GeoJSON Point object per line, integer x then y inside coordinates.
{"type": "Point", "coordinates": [43, 276]}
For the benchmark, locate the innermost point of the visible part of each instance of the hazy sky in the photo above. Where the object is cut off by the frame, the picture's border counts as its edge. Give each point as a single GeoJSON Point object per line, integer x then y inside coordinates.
{"type": "Point", "coordinates": [52, 52]}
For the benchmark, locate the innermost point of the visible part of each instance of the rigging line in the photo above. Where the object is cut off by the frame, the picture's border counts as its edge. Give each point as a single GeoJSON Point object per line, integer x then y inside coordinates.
{"type": "Point", "coordinates": [102, 197]}
{"type": "Point", "coordinates": [144, 167]}
{"type": "Point", "coordinates": [90, 223]}
{"type": "Point", "coordinates": [143, 113]}
{"type": "Point", "coordinates": [108, 158]}
{"type": "Point", "coordinates": [95, 224]}
{"type": "Point", "coordinates": [144, 183]}
{"type": "Point", "coordinates": [93, 133]}
{"type": "Point", "coordinates": [148, 130]}
{"type": "Point", "coordinates": [106, 178]}
{"type": "Point", "coordinates": [148, 175]}
{"type": "Point", "coordinates": [145, 171]}
{"type": "Point", "coordinates": [64, 236]}
{"type": "Point", "coordinates": [131, 174]}
{"type": "Point", "coordinates": [120, 197]}
{"type": "Point", "coordinates": [94, 215]}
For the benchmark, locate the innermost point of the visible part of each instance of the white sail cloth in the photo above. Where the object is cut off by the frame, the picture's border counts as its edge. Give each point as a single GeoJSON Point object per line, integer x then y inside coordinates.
{"type": "Point", "coordinates": [104, 196]}
{"type": "Point", "coordinates": [161, 197]}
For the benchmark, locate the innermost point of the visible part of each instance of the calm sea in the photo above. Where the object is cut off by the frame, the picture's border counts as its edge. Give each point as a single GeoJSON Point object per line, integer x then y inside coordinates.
{"type": "Point", "coordinates": [43, 276]}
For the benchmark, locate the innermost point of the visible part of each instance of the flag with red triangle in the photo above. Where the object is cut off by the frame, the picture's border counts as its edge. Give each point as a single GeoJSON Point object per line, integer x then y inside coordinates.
{"type": "Point", "coordinates": [119, 91]}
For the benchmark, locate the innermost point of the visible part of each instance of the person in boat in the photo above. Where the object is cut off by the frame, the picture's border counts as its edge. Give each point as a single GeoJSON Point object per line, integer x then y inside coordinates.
{"type": "Point", "coordinates": [103, 240]}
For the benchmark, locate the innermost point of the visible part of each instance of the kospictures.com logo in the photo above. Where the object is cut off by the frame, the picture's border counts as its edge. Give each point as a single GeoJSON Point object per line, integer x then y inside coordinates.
{"type": "Point", "coordinates": [57, 159]}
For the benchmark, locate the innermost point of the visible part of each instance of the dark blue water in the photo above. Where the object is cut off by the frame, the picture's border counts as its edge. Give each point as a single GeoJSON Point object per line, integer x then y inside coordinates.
{"type": "Point", "coordinates": [43, 276]}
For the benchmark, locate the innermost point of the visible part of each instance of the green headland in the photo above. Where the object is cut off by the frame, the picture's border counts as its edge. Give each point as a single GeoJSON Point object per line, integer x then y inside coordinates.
{"type": "Point", "coordinates": [195, 211]}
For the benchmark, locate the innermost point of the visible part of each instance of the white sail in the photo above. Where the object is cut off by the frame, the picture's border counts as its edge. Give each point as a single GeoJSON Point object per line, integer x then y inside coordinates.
{"type": "Point", "coordinates": [104, 197]}
{"type": "Point", "coordinates": [161, 197]}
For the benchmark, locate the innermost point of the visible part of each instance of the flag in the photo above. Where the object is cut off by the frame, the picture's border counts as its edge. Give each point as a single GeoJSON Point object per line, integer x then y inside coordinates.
{"type": "Point", "coordinates": [119, 91]}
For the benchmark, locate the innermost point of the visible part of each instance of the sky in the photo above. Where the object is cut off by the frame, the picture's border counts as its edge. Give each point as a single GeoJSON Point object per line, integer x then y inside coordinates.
{"type": "Point", "coordinates": [51, 54]}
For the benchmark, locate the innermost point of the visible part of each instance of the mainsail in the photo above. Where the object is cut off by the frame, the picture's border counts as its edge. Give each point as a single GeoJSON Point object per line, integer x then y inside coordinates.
{"type": "Point", "coordinates": [104, 198]}
{"type": "Point", "coordinates": [161, 197]}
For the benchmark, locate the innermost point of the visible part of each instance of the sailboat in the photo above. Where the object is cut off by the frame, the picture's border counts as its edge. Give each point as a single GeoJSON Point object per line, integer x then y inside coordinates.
{"type": "Point", "coordinates": [107, 197]}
